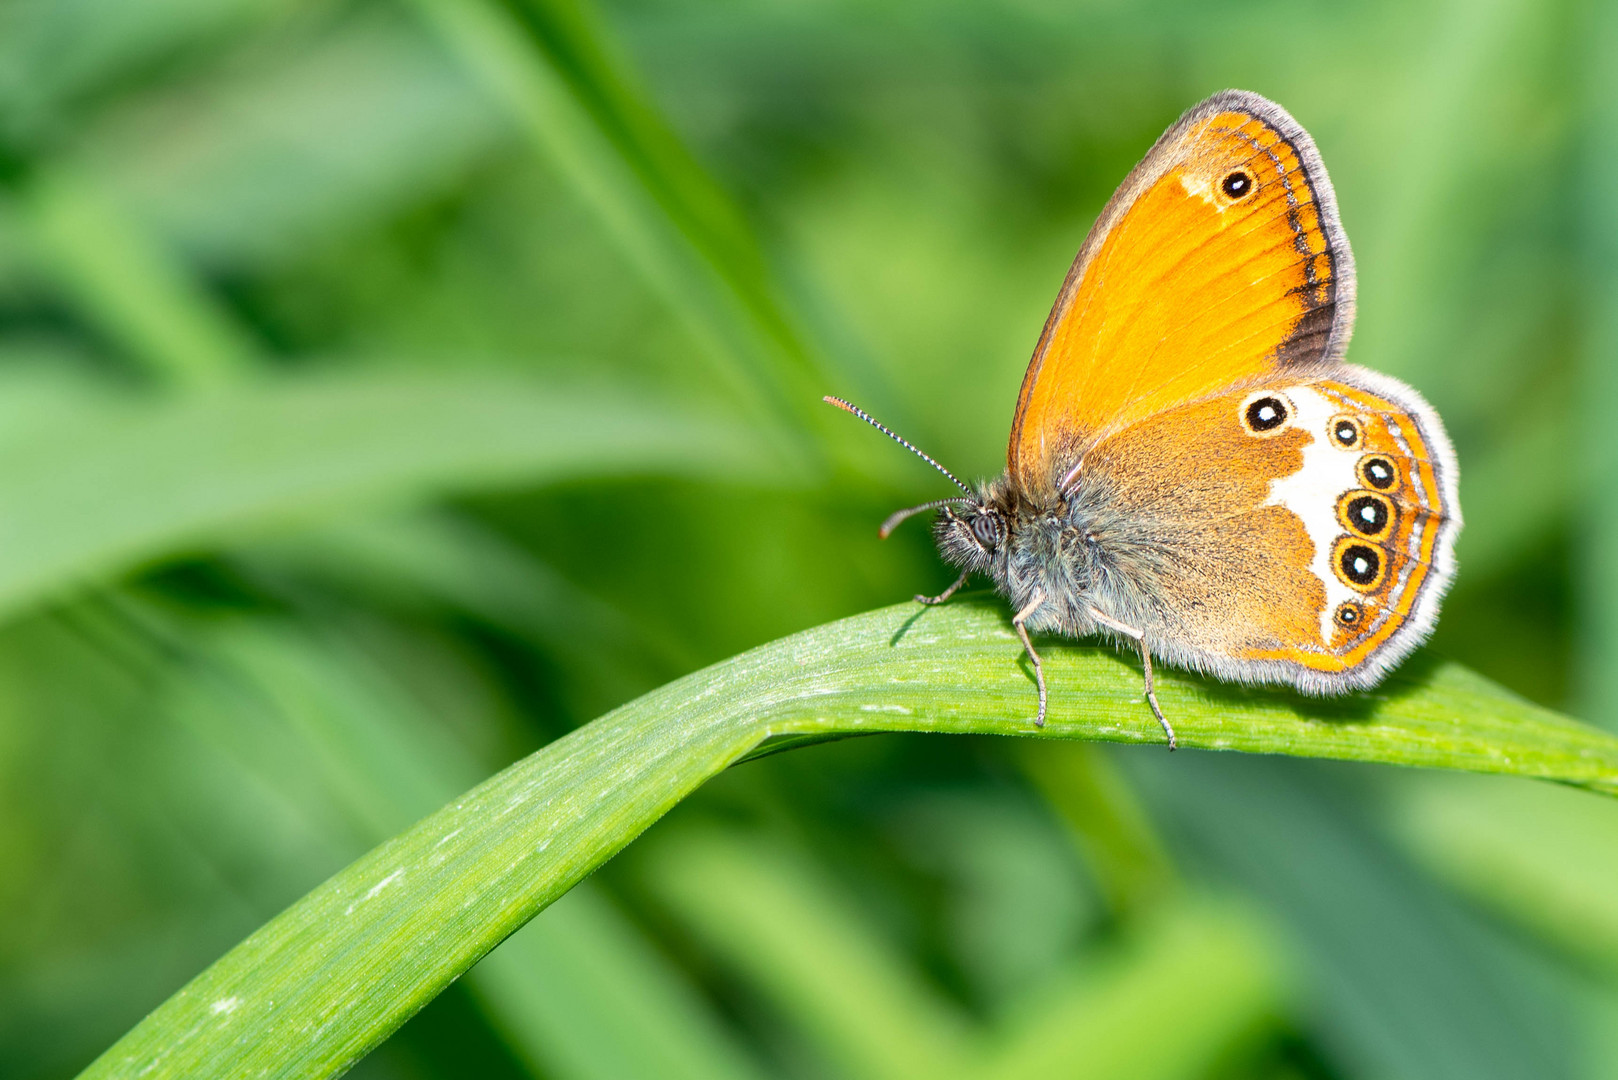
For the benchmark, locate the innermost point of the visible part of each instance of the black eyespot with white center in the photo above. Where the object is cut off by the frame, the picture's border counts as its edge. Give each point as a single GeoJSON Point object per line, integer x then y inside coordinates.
{"type": "Point", "coordinates": [1378, 472]}
{"type": "Point", "coordinates": [1349, 615]}
{"type": "Point", "coordinates": [1361, 564]}
{"type": "Point", "coordinates": [1236, 185]}
{"type": "Point", "coordinates": [1346, 432]}
{"type": "Point", "coordinates": [989, 529]}
{"type": "Point", "coordinates": [1266, 414]}
{"type": "Point", "coordinates": [1366, 513]}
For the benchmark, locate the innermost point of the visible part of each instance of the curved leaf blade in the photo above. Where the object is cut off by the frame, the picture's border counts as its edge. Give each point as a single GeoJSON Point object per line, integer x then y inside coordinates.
{"type": "Point", "coordinates": [114, 486]}
{"type": "Point", "coordinates": [317, 987]}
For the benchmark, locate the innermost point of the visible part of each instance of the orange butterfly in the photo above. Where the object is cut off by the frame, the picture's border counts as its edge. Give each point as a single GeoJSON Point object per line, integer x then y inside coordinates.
{"type": "Point", "coordinates": [1192, 467]}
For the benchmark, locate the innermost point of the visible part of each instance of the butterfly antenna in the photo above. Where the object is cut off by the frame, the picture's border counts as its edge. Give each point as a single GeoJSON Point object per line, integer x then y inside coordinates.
{"type": "Point", "coordinates": [898, 516]}
{"type": "Point", "coordinates": [863, 415]}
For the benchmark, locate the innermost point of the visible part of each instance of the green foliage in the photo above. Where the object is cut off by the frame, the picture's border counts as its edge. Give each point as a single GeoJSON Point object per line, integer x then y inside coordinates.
{"type": "Point", "coordinates": [389, 390]}
{"type": "Point", "coordinates": [321, 984]}
{"type": "Point", "coordinates": [112, 484]}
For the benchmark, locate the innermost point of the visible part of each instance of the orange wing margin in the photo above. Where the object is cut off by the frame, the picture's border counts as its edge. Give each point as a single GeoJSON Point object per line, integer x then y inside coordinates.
{"type": "Point", "coordinates": [1219, 263]}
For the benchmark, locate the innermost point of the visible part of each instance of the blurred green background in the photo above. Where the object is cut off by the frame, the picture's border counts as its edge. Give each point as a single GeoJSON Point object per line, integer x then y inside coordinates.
{"type": "Point", "coordinates": [387, 388]}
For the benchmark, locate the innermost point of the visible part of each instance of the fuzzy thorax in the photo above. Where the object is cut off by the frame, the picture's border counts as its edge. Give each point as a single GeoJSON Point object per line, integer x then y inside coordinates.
{"type": "Point", "coordinates": [1073, 552]}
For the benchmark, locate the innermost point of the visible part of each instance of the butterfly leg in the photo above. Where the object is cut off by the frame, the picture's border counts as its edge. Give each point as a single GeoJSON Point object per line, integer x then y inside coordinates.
{"type": "Point", "coordinates": [947, 593]}
{"type": "Point", "coordinates": [1151, 693]}
{"type": "Point", "coordinates": [1146, 665]}
{"type": "Point", "coordinates": [1019, 620]}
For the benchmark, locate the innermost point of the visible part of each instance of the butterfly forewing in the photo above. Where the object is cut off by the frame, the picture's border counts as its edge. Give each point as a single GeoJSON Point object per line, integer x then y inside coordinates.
{"type": "Point", "coordinates": [1219, 262]}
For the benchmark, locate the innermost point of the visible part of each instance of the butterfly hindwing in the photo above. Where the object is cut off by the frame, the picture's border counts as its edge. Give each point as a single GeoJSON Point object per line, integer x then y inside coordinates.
{"type": "Point", "coordinates": [1306, 535]}
{"type": "Point", "coordinates": [1219, 262]}
{"type": "Point", "coordinates": [1377, 495]}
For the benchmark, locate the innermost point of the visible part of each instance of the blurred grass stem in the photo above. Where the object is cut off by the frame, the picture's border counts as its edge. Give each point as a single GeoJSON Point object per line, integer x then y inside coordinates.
{"type": "Point", "coordinates": [1598, 625]}
{"type": "Point", "coordinates": [124, 279]}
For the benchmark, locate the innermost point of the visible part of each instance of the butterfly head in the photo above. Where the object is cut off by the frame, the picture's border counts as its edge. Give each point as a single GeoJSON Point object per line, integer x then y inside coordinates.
{"type": "Point", "coordinates": [970, 533]}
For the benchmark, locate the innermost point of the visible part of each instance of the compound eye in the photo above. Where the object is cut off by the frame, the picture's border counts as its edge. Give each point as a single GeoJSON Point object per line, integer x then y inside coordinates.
{"type": "Point", "coordinates": [988, 529]}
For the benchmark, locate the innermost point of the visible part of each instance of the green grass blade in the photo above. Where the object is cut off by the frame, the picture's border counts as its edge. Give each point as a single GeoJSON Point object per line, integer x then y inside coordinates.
{"type": "Point", "coordinates": [364, 121]}
{"type": "Point", "coordinates": [317, 987]}
{"type": "Point", "coordinates": [570, 35]}
{"type": "Point", "coordinates": [124, 281]}
{"type": "Point", "coordinates": [423, 561]}
{"type": "Point", "coordinates": [1189, 983]}
{"type": "Point", "coordinates": [786, 929]}
{"type": "Point", "coordinates": [583, 996]}
{"type": "Point", "coordinates": [111, 487]}
{"type": "Point", "coordinates": [1186, 988]}
{"type": "Point", "coordinates": [1100, 808]}
{"type": "Point", "coordinates": [1401, 984]}
{"type": "Point", "coordinates": [1545, 857]}
{"type": "Point", "coordinates": [545, 70]}
{"type": "Point", "coordinates": [579, 993]}
{"type": "Point", "coordinates": [1598, 371]}
{"type": "Point", "coordinates": [1526, 459]}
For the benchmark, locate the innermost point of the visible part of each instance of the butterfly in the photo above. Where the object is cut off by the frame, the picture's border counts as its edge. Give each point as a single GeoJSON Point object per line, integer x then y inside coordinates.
{"type": "Point", "coordinates": [1193, 470]}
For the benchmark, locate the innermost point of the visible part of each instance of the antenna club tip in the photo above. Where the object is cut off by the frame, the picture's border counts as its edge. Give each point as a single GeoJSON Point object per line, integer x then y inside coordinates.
{"type": "Point", "coordinates": [839, 402]}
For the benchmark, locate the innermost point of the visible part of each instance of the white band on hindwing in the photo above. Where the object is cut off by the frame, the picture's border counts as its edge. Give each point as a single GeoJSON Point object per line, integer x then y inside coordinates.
{"type": "Point", "coordinates": [1312, 492]}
